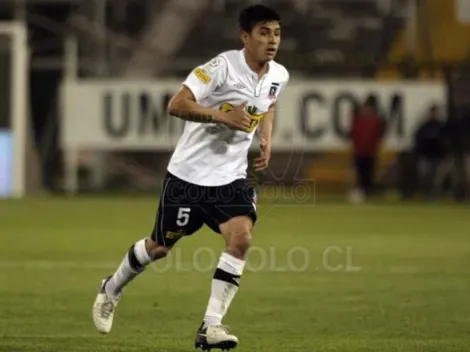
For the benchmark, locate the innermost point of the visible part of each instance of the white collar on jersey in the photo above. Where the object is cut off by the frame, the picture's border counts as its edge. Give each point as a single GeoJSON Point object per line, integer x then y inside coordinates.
{"type": "Point", "coordinates": [241, 55]}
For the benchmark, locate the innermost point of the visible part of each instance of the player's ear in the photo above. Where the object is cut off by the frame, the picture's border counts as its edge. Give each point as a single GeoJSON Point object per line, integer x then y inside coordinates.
{"type": "Point", "coordinates": [244, 37]}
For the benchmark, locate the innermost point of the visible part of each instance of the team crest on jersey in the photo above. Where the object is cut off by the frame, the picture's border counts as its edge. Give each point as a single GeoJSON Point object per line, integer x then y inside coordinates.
{"type": "Point", "coordinates": [273, 90]}
{"type": "Point", "coordinates": [202, 75]}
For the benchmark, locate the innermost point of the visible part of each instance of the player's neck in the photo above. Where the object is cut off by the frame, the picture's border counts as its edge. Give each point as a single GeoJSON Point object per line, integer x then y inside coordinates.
{"type": "Point", "coordinates": [260, 68]}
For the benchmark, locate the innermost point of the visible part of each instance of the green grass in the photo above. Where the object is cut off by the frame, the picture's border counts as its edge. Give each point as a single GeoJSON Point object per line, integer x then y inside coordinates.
{"type": "Point", "coordinates": [330, 277]}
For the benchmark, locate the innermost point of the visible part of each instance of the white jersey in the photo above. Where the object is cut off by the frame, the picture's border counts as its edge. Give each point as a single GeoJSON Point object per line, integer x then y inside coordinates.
{"type": "Point", "coordinates": [211, 154]}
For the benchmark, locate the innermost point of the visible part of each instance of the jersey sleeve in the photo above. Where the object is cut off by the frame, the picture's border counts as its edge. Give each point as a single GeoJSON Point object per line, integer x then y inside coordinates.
{"type": "Point", "coordinates": [283, 83]}
{"type": "Point", "coordinates": [207, 78]}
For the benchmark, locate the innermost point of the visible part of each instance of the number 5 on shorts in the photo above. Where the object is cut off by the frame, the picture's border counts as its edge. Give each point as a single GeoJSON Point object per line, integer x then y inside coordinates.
{"type": "Point", "coordinates": [183, 216]}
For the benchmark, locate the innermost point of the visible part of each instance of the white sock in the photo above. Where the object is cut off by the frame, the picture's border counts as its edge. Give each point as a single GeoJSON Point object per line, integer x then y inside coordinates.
{"type": "Point", "coordinates": [224, 287]}
{"type": "Point", "coordinates": [131, 266]}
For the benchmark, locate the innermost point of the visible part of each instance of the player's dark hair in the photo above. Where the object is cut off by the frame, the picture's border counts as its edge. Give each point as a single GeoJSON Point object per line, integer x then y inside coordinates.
{"type": "Point", "coordinates": [254, 14]}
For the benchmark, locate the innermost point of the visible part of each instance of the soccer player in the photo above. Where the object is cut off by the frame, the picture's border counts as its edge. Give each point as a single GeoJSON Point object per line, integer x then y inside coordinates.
{"type": "Point", "coordinates": [224, 102]}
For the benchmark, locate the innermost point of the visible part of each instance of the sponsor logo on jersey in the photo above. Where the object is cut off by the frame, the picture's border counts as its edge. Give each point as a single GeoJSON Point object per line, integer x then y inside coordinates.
{"type": "Point", "coordinates": [251, 110]}
{"type": "Point", "coordinates": [202, 75]}
{"type": "Point", "coordinates": [174, 235]}
{"type": "Point", "coordinates": [239, 86]}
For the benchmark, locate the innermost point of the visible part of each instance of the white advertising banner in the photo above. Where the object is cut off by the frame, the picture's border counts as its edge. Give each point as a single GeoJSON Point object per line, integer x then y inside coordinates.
{"type": "Point", "coordinates": [311, 115]}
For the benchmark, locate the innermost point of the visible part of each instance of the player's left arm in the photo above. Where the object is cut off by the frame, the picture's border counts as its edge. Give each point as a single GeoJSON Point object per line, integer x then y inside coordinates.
{"type": "Point", "coordinates": [265, 129]}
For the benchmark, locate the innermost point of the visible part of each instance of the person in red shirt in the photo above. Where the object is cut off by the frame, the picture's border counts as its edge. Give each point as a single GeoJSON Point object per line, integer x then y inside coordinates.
{"type": "Point", "coordinates": [367, 130]}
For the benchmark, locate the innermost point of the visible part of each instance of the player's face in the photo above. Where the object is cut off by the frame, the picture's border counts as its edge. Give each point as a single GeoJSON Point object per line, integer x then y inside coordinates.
{"type": "Point", "coordinates": [264, 40]}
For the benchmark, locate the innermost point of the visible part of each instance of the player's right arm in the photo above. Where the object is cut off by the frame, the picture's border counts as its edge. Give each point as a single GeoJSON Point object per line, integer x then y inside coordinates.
{"type": "Point", "coordinates": [201, 83]}
{"type": "Point", "coordinates": [184, 106]}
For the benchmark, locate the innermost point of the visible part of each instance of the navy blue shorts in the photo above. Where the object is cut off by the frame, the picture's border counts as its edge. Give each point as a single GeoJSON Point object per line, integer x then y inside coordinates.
{"type": "Point", "coordinates": [185, 207]}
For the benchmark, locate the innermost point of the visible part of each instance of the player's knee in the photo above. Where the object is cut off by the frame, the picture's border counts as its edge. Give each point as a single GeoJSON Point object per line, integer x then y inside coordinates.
{"type": "Point", "coordinates": [159, 252]}
{"type": "Point", "coordinates": [156, 251]}
{"type": "Point", "coordinates": [241, 243]}
{"type": "Point", "coordinates": [238, 239]}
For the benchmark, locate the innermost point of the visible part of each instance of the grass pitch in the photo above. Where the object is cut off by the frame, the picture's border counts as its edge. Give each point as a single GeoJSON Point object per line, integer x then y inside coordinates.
{"type": "Point", "coordinates": [329, 277]}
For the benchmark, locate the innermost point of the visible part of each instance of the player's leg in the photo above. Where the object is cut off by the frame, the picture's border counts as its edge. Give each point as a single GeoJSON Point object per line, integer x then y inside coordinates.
{"type": "Point", "coordinates": [226, 280]}
{"type": "Point", "coordinates": [172, 222]}
{"type": "Point", "coordinates": [142, 253]}
{"type": "Point", "coordinates": [235, 217]}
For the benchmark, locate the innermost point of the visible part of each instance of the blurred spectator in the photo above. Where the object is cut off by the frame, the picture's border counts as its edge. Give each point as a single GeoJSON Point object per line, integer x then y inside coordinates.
{"type": "Point", "coordinates": [367, 131]}
{"type": "Point", "coordinates": [431, 150]}
{"type": "Point", "coordinates": [458, 128]}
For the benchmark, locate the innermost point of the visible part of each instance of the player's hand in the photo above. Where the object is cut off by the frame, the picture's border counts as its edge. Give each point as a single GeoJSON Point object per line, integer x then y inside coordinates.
{"type": "Point", "coordinates": [262, 161]}
{"type": "Point", "coordinates": [238, 119]}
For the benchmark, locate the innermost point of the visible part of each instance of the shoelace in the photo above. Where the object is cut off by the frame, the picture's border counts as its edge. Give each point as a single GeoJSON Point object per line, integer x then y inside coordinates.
{"type": "Point", "coordinates": [107, 309]}
{"type": "Point", "coordinates": [223, 327]}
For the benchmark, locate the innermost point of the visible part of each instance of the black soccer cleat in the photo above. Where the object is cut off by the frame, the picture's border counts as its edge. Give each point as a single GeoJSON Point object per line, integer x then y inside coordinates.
{"type": "Point", "coordinates": [215, 336]}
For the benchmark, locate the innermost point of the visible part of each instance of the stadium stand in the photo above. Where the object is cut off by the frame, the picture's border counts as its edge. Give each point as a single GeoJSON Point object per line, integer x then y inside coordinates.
{"type": "Point", "coordinates": [321, 39]}
{"type": "Point", "coordinates": [338, 31]}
